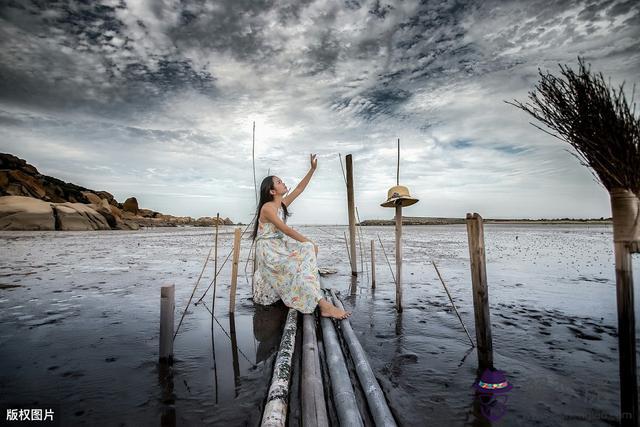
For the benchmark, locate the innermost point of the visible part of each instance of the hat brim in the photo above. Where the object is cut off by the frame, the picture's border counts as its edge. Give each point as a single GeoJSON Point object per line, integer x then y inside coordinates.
{"type": "Point", "coordinates": [403, 201]}
{"type": "Point", "coordinates": [495, 391]}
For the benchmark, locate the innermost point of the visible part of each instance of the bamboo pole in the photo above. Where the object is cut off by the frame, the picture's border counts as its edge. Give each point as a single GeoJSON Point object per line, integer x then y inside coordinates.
{"type": "Point", "coordinates": [452, 303]}
{"type": "Point", "coordinates": [363, 261]}
{"type": "Point", "coordinates": [167, 308]}
{"type": "Point", "coordinates": [475, 233]}
{"type": "Point", "coordinates": [346, 242]}
{"type": "Point", "coordinates": [215, 265]}
{"type": "Point", "coordinates": [398, 257]}
{"type": "Point", "coordinates": [352, 215]}
{"type": "Point", "coordinates": [314, 410]}
{"type": "Point", "coordinates": [275, 411]}
{"type": "Point", "coordinates": [342, 390]}
{"type": "Point", "coordinates": [234, 271]}
{"type": "Point", "coordinates": [387, 259]}
{"type": "Point", "coordinates": [373, 265]}
{"type": "Point", "coordinates": [625, 210]}
{"type": "Point", "coordinates": [375, 397]}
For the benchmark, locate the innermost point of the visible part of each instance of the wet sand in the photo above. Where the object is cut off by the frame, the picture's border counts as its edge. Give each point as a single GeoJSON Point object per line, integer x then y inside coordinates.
{"type": "Point", "coordinates": [79, 324]}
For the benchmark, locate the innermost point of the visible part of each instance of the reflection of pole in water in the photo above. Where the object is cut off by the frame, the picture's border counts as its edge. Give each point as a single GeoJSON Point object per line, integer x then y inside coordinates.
{"type": "Point", "coordinates": [354, 284]}
{"type": "Point", "coordinates": [234, 351]}
{"type": "Point", "coordinates": [165, 377]}
{"type": "Point", "coordinates": [215, 366]}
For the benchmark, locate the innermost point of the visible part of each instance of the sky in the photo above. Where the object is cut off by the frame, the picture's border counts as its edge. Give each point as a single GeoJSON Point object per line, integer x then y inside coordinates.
{"type": "Point", "coordinates": [156, 99]}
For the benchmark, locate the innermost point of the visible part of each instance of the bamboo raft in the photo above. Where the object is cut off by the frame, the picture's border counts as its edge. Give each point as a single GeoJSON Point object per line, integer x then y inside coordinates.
{"type": "Point", "coordinates": [329, 390]}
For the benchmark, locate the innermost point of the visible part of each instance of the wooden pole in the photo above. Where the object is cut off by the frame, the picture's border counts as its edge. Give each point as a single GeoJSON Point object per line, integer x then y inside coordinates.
{"type": "Point", "coordinates": [398, 165]}
{"type": "Point", "coordinates": [625, 211]}
{"type": "Point", "coordinates": [215, 266]}
{"type": "Point", "coordinates": [475, 233]}
{"type": "Point", "coordinates": [363, 265]}
{"type": "Point", "coordinates": [373, 265]}
{"type": "Point", "coordinates": [626, 336]}
{"type": "Point", "coordinates": [398, 257]}
{"type": "Point", "coordinates": [234, 270]}
{"type": "Point", "coordinates": [167, 308]}
{"type": "Point", "coordinates": [314, 409]}
{"type": "Point", "coordinates": [352, 215]}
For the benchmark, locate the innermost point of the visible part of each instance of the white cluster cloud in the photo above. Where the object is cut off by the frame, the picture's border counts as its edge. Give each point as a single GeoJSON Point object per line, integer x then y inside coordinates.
{"type": "Point", "coordinates": [156, 99]}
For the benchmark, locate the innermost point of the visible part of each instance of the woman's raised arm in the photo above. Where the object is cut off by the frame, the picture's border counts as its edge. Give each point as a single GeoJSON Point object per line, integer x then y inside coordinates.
{"type": "Point", "coordinates": [289, 198]}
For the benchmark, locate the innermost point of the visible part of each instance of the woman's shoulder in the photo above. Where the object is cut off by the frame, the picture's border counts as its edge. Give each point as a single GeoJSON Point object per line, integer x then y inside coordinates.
{"type": "Point", "coordinates": [272, 205]}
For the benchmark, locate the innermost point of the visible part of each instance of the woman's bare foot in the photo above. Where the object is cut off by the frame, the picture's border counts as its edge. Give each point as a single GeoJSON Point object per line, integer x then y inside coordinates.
{"type": "Point", "coordinates": [329, 310]}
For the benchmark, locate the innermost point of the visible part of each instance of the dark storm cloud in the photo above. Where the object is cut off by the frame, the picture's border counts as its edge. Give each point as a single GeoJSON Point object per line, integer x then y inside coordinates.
{"type": "Point", "coordinates": [152, 93]}
{"type": "Point", "coordinates": [81, 55]}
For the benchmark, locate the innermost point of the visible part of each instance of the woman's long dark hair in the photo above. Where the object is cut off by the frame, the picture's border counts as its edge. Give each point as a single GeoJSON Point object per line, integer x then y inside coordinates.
{"type": "Point", "coordinates": [265, 196]}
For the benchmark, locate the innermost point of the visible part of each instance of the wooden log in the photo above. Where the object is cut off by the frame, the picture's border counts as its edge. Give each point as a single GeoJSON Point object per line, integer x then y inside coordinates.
{"type": "Point", "coordinates": [167, 308]}
{"type": "Point", "coordinates": [343, 395]}
{"type": "Point", "coordinates": [626, 336]}
{"type": "Point", "coordinates": [352, 215]}
{"type": "Point", "coordinates": [398, 258]}
{"type": "Point", "coordinates": [475, 233]}
{"type": "Point", "coordinates": [234, 270]}
{"type": "Point", "coordinates": [275, 411]}
{"type": "Point", "coordinates": [375, 397]}
{"type": "Point", "coordinates": [314, 409]}
{"type": "Point", "coordinates": [373, 265]}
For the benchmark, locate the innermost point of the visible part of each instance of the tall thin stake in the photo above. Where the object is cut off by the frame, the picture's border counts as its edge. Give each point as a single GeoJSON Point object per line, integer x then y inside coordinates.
{"type": "Point", "coordinates": [452, 303]}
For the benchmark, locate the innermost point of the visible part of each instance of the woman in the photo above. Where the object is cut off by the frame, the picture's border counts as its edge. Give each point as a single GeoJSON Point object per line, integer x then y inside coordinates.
{"type": "Point", "coordinates": [286, 269]}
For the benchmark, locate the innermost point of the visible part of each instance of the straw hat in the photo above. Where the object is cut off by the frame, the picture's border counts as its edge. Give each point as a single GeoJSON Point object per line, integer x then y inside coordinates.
{"type": "Point", "coordinates": [399, 194]}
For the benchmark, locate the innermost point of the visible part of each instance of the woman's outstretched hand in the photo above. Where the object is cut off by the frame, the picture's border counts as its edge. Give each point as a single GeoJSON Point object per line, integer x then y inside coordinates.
{"type": "Point", "coordinates": [314, 162]}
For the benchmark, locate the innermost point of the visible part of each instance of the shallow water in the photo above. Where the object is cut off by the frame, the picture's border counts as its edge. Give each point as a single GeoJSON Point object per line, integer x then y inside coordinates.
{"type": "Point", "coordinates": [79, 325]}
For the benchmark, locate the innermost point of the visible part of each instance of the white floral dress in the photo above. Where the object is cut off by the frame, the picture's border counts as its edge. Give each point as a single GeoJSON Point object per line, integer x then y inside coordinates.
{"type": "Point", "coordinates": [286, 270]}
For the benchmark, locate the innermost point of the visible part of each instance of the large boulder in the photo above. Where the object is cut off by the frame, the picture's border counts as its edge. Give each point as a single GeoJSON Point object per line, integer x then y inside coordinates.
{"type": "Point", "coordinates": [93, 198]}
{"type": "Point", "coordinates": [78, 217]}
{"type": "Point", "coordinates": [131, 205]}
{"type": "Point", "coordinates": [25, 213]}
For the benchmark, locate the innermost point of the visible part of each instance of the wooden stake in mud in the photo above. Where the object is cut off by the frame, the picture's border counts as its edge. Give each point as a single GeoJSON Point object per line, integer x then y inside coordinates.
{"type": "Point", "coordinates": [352, 215]}
{"type": "Point", "coordinates": [234, 270]}
{"type": "Point", "coordinates": [167, 308]}
{"type": "Point", "coordinates": [397, 197]}
{"type": "Point", "coordinates": [625, 212]}
{"type": "Point", "coordinates": [475, 233]}
{"type": "Point", "coordinates": [398, 257]}
{"type": "Point", "coordinates": [373, 265]}
{"type": "Point", "coordinates": [215, 265]}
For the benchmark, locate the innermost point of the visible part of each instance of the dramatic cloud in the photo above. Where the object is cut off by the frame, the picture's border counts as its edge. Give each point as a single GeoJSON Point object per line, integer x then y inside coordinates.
{"type": "Point", "coordinates": [156, 99]}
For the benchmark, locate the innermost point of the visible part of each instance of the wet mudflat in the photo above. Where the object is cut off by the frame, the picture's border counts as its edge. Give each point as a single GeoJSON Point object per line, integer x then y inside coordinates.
{"type": "Point", "coordinates": [79, 325]}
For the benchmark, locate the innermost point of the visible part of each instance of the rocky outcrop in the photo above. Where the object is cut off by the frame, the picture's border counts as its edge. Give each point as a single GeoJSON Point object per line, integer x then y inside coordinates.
{"type": "Point", "coordinates": [78, 217]}
{"type": "Point", "coordinates": [32, 201]}
{"type": "Point", "coordinates": [25, 213]}
{"type": "Point", "coordinates": [131, 205]}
